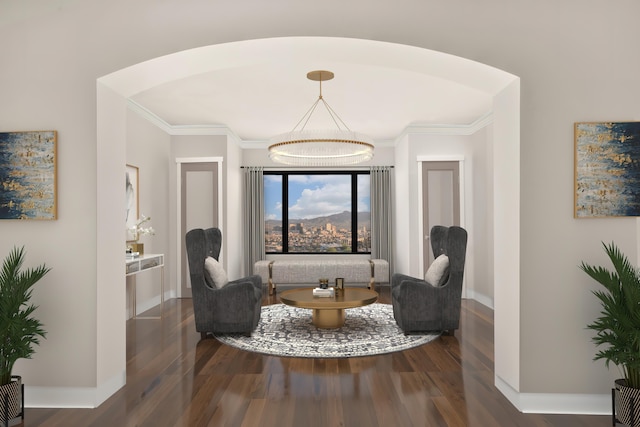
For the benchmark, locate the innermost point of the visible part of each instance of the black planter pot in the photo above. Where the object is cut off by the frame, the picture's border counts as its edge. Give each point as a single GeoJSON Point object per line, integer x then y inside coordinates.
{"type": "Point", "coordinates": [626, 404]}
{"type": "Point", "coordinates": [11, 400]}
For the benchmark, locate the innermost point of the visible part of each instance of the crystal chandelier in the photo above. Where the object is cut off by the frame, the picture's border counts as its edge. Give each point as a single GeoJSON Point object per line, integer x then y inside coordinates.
{"type": "Point", "coordinates": [334, 147]}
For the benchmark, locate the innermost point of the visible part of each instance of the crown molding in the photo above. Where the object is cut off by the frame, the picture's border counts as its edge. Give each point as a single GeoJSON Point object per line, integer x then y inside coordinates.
{"type": "Point", "coordinates": [445, 129]}
{"type": "Point", "coordinates": [148, 115]}
{"type": "Point", "coordinates": [428, 129]}
{"type": "Point", "coordinates": [181, 129]}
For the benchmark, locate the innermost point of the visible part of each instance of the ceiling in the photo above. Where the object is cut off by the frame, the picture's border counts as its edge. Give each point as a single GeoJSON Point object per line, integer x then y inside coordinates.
{"type": "Point", "coordinates": [259, 88]}
{"type": "Point", "coordinates": [260, 102]}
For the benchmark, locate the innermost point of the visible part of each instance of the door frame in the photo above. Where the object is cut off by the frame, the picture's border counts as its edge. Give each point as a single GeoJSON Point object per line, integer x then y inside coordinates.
{"type": "Point", "coordinates": [179, 237]}
{"type": "Point", "coordinates": [452, 158]}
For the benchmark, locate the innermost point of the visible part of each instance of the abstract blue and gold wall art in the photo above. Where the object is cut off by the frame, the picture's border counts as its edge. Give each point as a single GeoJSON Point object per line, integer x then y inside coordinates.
{"type": "Point", "coordinates": [607, 169]}
{"type": "Point", "coordinates": [28, 175]}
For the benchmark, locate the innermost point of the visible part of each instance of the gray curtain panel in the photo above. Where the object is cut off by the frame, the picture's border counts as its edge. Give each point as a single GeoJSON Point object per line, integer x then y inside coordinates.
{"type": "Point", "coordinates": [381, 214]}
{"type": "Point", "coordinates": [253, 217]}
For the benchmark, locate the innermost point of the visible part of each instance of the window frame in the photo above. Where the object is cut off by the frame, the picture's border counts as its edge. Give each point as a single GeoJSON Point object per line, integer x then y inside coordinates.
{"type": "Point", "coordinates": [354, 174]}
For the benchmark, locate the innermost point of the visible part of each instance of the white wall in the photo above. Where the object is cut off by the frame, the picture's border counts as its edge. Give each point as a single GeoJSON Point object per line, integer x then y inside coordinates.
{"type": "Point", "coordinates": [192, 147]}
{"type": "Point", "coordinates": [233, 219]}
{"type": "Point", "coordinates": [471, 150]}
{"type": "Point", "coordinates": [507, 260]}
{"type": "Point", "coordinates": [110, 369]}
{"type": "Point", "coordinates": [403, 208]}
{"type": "Point", "coordinates": [480, 217]}
{"type": "Point", "coordinates": [148, 149]}
{"type": "Point", "coordinates": [33, 100]}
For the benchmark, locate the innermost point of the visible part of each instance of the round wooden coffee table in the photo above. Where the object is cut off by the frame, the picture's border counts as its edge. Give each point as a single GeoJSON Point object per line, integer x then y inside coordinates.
{"type": "Point", "coordinates": [328, 313]}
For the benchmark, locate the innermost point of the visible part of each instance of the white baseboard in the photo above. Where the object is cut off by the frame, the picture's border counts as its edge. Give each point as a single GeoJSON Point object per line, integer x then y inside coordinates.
{"type": "Point", "coordinates": [548, 403]}
{"type": "Point", "coordinates": [72, 397]}
{"type": "Point", "coordinates": [150, 303]}
{"type": "Point", "coordinates": [482, 299]}
{"type": "Point", "coordinates": [556, 403]}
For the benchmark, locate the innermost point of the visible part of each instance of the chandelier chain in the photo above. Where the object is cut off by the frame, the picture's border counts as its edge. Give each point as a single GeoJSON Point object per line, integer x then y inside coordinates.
{"type": "Point", "coordinates": [335, 116]}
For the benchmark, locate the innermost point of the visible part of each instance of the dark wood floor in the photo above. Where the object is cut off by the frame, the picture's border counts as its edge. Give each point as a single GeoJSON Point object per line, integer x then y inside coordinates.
{"type": "Point", "coordinates": [175, 379]}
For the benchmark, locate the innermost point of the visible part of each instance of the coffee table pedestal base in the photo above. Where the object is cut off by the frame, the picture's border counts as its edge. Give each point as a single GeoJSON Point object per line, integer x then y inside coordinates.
{"type": "Point", "coordinates": [328, 318]}
{"type": "Point", "coordinates": [328, 313]}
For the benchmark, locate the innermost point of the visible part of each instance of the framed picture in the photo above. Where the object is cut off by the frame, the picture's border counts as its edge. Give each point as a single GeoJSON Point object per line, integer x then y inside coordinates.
{"type": "Point", "coordinates": [607, 169]}
{"type": "Point", "coordinates": [131, 200]}
{"type": "Point", "coordinates": [28, 188]}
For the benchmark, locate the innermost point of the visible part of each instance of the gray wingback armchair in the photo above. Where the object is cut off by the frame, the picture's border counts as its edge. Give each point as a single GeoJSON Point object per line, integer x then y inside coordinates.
{"type": "Point", "coordinates": [419, 306]}
{"type": "Point", "coordinates": [234, 308]}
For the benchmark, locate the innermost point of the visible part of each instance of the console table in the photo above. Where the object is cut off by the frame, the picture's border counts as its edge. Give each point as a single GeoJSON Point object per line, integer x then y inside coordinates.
{"type": "Point", "coordinates": [144, 263]}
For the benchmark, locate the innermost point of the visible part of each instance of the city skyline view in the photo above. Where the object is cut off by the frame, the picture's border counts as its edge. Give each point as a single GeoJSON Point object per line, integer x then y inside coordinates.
{"type": "Point", "coordinates": [318, 213]}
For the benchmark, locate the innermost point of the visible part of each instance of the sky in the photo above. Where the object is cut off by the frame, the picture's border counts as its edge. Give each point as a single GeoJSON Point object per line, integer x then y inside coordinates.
{"type": "Point", "coordinates": [311, 196]}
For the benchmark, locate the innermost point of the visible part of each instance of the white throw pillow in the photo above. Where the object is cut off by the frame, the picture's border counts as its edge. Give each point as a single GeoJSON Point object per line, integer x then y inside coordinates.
{"type": "Point", "coordinates": [215, 271]}
{"type": "Point", "coordinates": [438, 271]}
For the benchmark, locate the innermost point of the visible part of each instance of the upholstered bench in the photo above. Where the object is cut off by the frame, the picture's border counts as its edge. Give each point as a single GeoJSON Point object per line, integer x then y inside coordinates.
{"type": "Point", "coordinates": [307, 272]}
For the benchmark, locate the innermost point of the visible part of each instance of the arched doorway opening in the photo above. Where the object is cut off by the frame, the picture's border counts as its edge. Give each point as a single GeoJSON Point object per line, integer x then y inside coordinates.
{"type": "Point", "coordinates": [115, 90]}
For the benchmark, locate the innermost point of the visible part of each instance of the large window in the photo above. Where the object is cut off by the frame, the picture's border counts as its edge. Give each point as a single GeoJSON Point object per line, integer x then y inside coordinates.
{"type": "Point", "coordinates": [320, 212]}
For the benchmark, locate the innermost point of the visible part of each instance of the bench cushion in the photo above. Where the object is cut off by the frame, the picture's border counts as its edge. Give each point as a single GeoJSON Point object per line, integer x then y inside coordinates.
{"type": "Point", "coordinates": [308, 272]}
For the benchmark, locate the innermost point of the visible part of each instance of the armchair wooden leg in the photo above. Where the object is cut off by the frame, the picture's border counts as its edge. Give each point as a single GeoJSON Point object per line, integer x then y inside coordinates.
{"type": "Point", "coordinates": [272, 286]}
{"type": "Point", "coordinates": [372, 283]}
{"type": "Point", "coordinates": [203, 335]}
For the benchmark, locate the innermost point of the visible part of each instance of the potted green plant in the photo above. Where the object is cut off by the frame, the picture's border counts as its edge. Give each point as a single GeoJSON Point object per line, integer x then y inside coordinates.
{"type": "Point", "coordinates": [19, 330]}
{"type": "Point", "coordinates": [618, 329]}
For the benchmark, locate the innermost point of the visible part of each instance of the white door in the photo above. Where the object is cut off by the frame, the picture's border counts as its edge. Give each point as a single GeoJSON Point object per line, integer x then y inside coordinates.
{"type": "Point", "coordinates": [440, 200]}
{"type": "Point", "coordinates": [199, 208]}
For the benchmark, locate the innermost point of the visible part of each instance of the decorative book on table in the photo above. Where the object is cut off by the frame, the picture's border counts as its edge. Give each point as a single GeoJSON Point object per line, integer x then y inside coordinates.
{"type": "Point", "coordinates": [323, 293]}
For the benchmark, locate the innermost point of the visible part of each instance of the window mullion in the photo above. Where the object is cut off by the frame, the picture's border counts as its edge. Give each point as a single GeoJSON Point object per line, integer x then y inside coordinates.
{"type": "Point", "coordinates": [354, 212]}
{"type": "Point", "coordinates": [285, 213]}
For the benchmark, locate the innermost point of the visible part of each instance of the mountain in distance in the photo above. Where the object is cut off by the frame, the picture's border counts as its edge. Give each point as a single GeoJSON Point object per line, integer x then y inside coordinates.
{"type": "Point", "coordinates": [340, 220]}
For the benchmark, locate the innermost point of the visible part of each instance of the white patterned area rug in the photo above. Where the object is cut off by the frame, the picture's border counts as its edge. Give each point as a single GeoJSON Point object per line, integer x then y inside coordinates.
{"type": "Point", "coordinates": [287, 331]}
